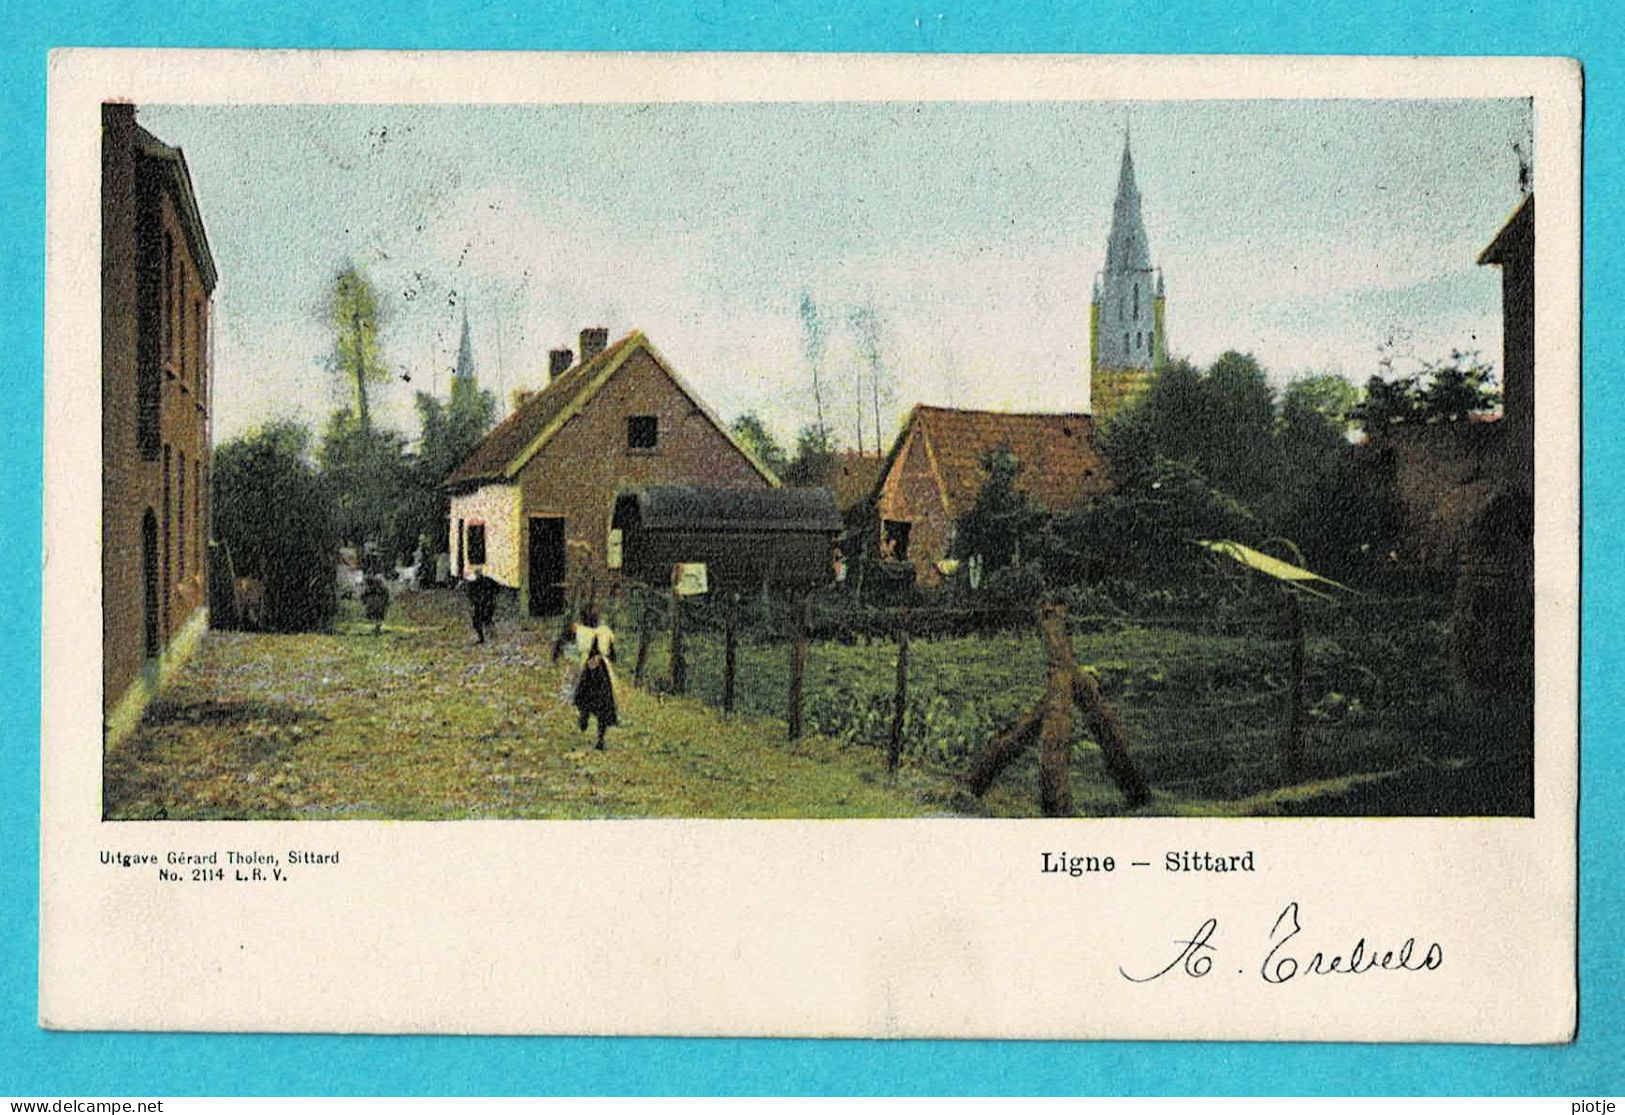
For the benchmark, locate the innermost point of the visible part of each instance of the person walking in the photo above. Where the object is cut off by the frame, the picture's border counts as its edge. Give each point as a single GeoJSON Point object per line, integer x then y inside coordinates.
{"type": "Point", "coordinates": [592, 649]}
{"type": "Point", "coordinates": [482, 603]}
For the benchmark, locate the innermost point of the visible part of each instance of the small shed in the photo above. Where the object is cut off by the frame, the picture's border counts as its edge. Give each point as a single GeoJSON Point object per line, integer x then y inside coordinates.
{"type": "Point", "coordinates": [745, 537]}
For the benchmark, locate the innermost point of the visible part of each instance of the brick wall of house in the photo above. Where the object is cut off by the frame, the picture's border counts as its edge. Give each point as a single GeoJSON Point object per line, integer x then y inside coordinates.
{"type": "Point", "coordinates": [578, 473]}
{"type": "Point", "coordinates": [134, 199]}
{"type": "Point", "coordinates": [910, 494]}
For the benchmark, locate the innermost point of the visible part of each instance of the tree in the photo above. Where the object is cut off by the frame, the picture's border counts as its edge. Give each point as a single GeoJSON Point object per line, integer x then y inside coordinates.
{"type": "Point", "coordinates": [367, 471]}
{"type": "Point", "coordinates": [813, 340]}
{"type": "Point", "coordinates": [1221, 421]}
{"type": "Point", "coordinates": [1312, 439]}
{"type": "Point", "coordinates": [873, 377]}
{"type": "Point", "coordinates": [1002, 525]}
{"type": "Point", "coordinates": [815, 455]}
{"type": "Point", "coordinates": [450, 431]}
{"type": "Point", "coordinates": [751, 432]}
{"type": "Point", "coordinates": [1388, 402]}
{"type": "Point", "coordinates": [1457, 387]}
{"type": "Point", "coordinates": [353, 312]}
{"type": "Point", "coordinates": [274, 515]}
{"type": "Point", "coordinates": [1145, 527]}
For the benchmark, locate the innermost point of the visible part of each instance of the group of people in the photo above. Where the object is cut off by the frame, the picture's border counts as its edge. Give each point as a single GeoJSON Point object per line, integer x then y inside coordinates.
{"type": "Point", "coordinates": [587, 645]}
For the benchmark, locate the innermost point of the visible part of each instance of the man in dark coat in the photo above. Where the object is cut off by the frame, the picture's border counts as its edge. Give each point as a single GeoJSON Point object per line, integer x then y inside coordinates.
{"type": "Point", "coordinates": [482, 603]}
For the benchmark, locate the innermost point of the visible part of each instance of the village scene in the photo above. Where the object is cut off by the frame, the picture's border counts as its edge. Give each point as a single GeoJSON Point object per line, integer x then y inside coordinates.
{"type": "Point", "coordinates": [595, 462]}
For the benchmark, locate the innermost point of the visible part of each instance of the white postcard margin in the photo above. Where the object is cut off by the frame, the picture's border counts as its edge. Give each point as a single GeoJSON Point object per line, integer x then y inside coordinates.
{"type": "Point", "coordinates": [934, 928]}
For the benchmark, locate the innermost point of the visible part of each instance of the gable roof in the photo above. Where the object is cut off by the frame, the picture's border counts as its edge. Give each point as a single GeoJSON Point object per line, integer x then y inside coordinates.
{"type": "Point", "coordinates": [521, 435]}
{"type": "Point", "coordinates": [853, 477]}
{"type": "Point", "coordinates": [178, 179]}
{"type": "Point", "coordinates": [1061, 461]}
{"type": "Point", "coordinates": [1516, 236]}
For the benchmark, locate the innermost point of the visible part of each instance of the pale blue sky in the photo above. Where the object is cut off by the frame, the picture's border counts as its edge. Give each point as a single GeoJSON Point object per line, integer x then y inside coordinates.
{"type": "Point", "coordinates": [1306, 232]}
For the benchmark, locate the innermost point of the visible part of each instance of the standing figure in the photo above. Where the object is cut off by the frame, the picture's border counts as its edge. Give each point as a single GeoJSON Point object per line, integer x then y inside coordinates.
{"type": "Point", "coordinates": [375, 601]}
{"type": "Point", "coordinates": [482, 603]}
{"type": "Point", "coordinates": [593, 649]}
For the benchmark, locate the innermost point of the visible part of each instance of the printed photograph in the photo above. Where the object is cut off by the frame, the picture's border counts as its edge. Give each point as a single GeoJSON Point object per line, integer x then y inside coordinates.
{"type": "Point", "coordinates": [818, 460]}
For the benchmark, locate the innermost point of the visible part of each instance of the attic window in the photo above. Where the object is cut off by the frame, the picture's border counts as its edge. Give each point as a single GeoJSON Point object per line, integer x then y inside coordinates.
{"type": "Point", "coordinates": [643, 432]}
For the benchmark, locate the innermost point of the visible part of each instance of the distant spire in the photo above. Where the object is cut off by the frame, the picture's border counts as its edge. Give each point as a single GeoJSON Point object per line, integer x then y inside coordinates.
{"type": "Point", "coordinates": [1126, 248]}
{"type": "Point", "coordinates": [465, 352]}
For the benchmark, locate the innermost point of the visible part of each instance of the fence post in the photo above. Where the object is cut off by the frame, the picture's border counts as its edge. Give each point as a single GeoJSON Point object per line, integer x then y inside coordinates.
{"type": "Point", "coordinates": [900, 707]}
{"type": "Point", "coordinates": [645, 633]}
{"type": "Point", "coordinates": [1109, 738]}
{"type": "Point", "coordinates": [679, 668]}
{"type": "Point", "coordinates": [730, 653]}
{"type": "Point", "coordinates": [1297, 722]}
{"type": "Point", "coordinates": [798, 665]}
{"type": "Point", "coordinates": [1055, 721]}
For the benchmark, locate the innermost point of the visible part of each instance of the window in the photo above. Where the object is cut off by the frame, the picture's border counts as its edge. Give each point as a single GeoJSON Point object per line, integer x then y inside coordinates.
{"type": "Point", "coordinates": [1125, 343]}
{"type": "Point", "coordinates": [476, 543]}
{"type": "Point", "coordinates": [1136, 301]}
{"type": "Point", "coordinates": [643, 432]}
{"type": "Point", "coordinates": [1139, 340]}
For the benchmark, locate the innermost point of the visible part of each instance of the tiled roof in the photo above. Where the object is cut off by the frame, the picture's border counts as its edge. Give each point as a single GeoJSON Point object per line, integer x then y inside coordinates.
{"type": "Point", "coordinates": [853, 476]}
{"type": "Point", "coordinates": [491, 457]}
{"type": "Point", "coordinates": [519, 436]}
{"type": "Point", "coordinates": [1062, 465]}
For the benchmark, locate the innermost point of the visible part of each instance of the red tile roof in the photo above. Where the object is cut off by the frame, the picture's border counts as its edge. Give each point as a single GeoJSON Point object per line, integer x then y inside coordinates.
{"type": "Point", "coordinates": [1062, 465]}
{"type": "Point", "coordinates": [853, 476]}
{"type": "Point", "coordinates": [491, 457]}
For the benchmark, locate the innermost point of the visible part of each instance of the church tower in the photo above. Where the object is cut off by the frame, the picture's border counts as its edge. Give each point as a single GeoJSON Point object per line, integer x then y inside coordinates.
{"type": "Point", "coordinates": [1127, 332]}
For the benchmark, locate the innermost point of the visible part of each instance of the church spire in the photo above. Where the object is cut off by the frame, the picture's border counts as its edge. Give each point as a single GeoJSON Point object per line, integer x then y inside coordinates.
{"type": "Point", "coordinates": [1126, 248]}
{"type": "Point", "coordinates": [465, 352]}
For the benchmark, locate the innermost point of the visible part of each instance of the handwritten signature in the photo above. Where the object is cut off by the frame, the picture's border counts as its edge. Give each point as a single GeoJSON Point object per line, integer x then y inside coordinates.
{"type": "Point", "coordinates": [1286, 961]}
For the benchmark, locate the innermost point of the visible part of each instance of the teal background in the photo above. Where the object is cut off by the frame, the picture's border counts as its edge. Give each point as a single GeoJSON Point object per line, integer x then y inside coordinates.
{"type": "Point", "coordinates": [35, 1063]}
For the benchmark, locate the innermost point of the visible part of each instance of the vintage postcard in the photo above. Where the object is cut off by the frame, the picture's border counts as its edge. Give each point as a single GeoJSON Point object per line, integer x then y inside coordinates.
{"type": "Point", "coordinates": [1048, 547]}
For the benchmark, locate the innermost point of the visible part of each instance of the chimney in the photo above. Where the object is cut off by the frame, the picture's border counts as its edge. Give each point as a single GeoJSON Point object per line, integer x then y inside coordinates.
{"type": "Point", "coordinates": [520, 397]}
{"type": "Point", "coordinates": [558, 360]}
{"type": "Point", "coordinates": [593, 341]}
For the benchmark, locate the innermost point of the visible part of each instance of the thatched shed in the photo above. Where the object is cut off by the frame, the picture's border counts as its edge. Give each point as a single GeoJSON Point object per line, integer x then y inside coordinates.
{"type": "Point", "coordinates": [745, 537]}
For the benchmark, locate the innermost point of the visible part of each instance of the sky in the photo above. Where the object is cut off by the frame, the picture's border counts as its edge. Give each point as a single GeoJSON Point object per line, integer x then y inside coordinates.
{"type": "Point", "coordinates": [1308, 233]}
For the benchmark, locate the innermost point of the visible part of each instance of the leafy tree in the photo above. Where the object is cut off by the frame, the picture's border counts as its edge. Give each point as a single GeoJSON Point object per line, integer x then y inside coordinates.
{"type": "Point", "coordinates": [815, 455]}
{"type": "Point", "coordinates": [1388, 402]}
{"type": "Point", "coordinates": [1220, 422]}
{"type": "Point", "coordinates": [1145, 526]}
{"type": "Point", "coordinates": [275, 516]}
{"type": "Point", "coordinates": [1311, 436]}
{"type": "Point", "coordinates": [367, 471]}
{"type": "Point", "coordinates": [1003, 524]}
{"type": "Point", "coordinates": [1459, 386]}
{"type": "Point", "coordinates": [751, 432]}
{"type": "Point", "coordinates": [1236, 444]}
{"type": "Point", "coordinates": [353, 312]}
{"type": "Point", "coordinates": [451, 430]}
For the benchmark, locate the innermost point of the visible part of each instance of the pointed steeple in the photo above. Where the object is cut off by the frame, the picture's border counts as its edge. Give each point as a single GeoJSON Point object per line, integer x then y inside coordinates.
{"type": "Point", "coordinates": [1126, 248]}
{"type": "Point", "coordinates": [465, 352]}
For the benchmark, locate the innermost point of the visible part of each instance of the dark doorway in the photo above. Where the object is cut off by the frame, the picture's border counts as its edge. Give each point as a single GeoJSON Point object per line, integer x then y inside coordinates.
{"type": "Point", "coordinates": [149, 581]}
{"type": "Point", "coordinates": [894, 540]}
{"type": "Point", "coordinates": [546, 566]}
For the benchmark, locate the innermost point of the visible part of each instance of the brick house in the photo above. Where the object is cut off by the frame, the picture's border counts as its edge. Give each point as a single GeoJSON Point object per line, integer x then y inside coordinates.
{"type": "Point", "coordinates": [934, 473]}
{"type": "Point", "coordinates": [533, 503]}
{"type": "Point", "coordinates": [158, 278]}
